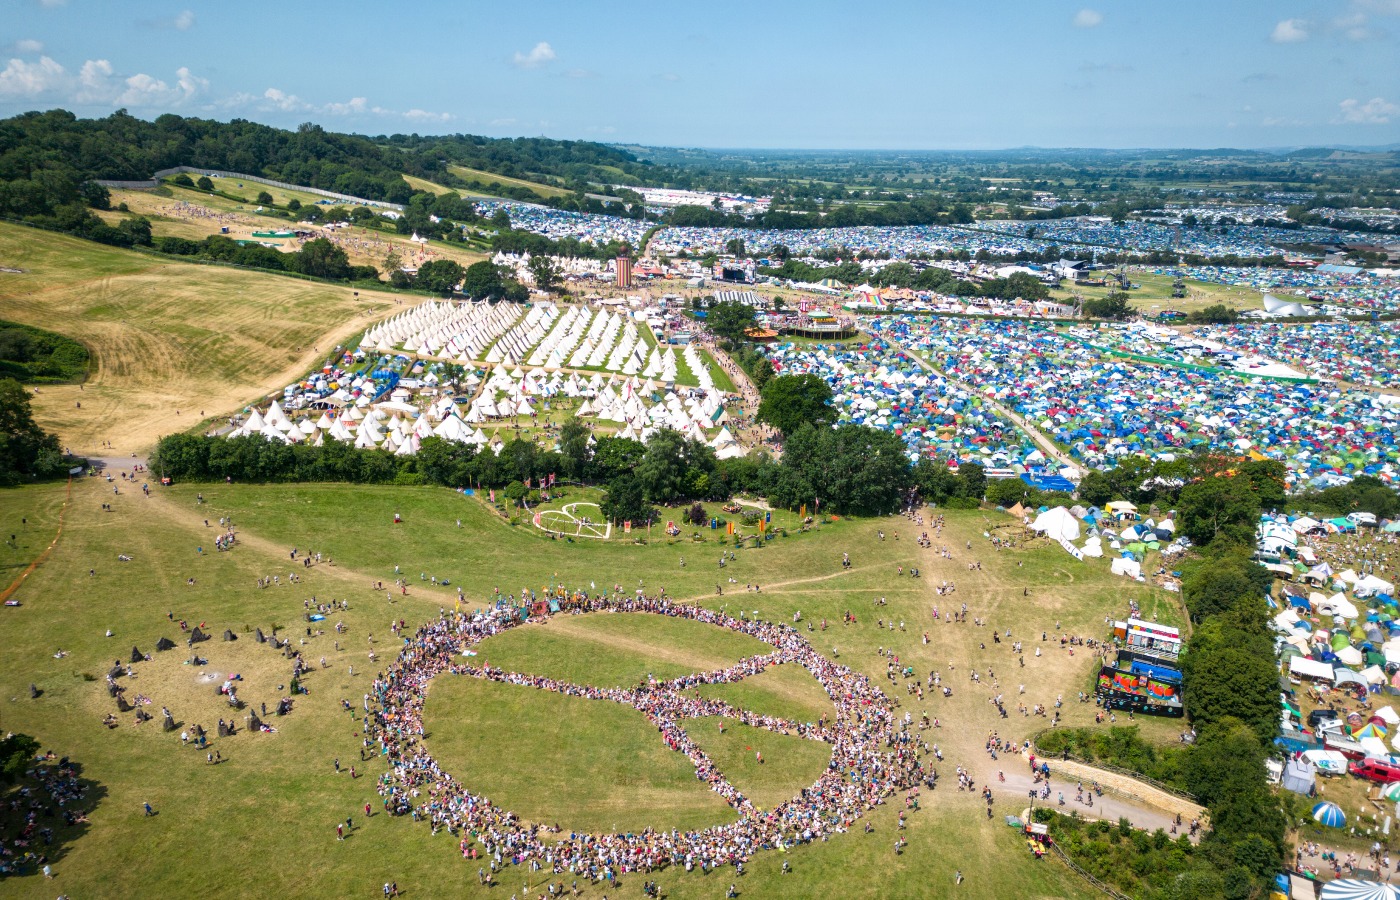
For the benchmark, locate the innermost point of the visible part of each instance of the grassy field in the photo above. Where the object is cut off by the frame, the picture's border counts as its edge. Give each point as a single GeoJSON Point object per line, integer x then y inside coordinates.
{"type": "Point", "coordinates": [206, 214]}
{"type": "Point", "coordinates": [541, 190]}
{"type": "Point", "coordinates": [432, 187]}
{"type": "Point", "coordinates": [1153, 294]}
{"type": "Point", "coordinates": [617, 650]}
{"type": "Point", "coordinates": [172, 343]}
{"type": "Point", "coordinates": [644, 784]}
{"type": "Point", "coordinates": [580, 763]}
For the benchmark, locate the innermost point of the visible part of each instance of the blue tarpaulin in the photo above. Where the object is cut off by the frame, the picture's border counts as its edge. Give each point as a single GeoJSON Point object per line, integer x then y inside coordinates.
{"type": "Point", "coordinates": [1049, 482]}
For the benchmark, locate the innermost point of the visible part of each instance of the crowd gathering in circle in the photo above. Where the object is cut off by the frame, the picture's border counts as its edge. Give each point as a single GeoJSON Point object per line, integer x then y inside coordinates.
{"type": "Point", "coordinates": [872, 758]}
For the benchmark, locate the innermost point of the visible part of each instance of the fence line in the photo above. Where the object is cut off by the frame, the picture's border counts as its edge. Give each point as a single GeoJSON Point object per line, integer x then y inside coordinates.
{"type": "Point", "coordinates": [1109, 767]}
{"type": "Point", "coordinates": [155, 181]}
{"type": "Point", "coordinates": [1083, 873]}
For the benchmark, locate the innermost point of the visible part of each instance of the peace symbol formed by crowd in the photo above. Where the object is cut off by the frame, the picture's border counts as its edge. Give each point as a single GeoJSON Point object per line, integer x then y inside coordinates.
{"type": "Point", "coordinates": [870, 758]}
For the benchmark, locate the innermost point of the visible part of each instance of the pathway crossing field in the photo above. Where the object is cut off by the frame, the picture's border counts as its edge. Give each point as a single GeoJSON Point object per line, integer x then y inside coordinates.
{"type": "Point", "coordinates": [278, 795]}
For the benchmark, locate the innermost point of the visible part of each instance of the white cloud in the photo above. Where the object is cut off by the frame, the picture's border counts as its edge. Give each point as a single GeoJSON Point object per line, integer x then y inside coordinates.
{"type": "Point", "coordinates": [26, 79]}
{"type": "Point", "coordinates": [1353, 25]}
{"type": "Point", "coordinates": [1088, 18]}
{"type": "Point", "coordinates": [184, 21]}
{"type": "Point", "coordinates": [190, 84]}
{"type": "Point", "coordinates": [1376, 111]}
{"type": "Point", "coordinates": [98, 85]}
{"type": "Point", "coordinates": [422, 115]}
{"type": "Point", "coordinates": [29, 46]}
{"type": "Point", "coordinates": [541, 54]}
{"type": "Point", "coordinates": [354, 106]}
{"type": "Point", "coordinates": [277, 100]}
{"type": "Point", "coordinates": [1289, 31]}
{"type": "Point", "coordinates": [94, 82]}
{"type": "Point", "coordinates": [282, 100]}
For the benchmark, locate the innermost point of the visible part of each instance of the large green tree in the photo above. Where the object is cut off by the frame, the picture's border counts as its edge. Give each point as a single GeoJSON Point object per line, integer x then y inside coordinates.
{"type": "Point", "coordinates": [729, 319]}
{"type": "Point", "coordinates": [1219, 584]}
{"type": "Point", "coordinates": [791, 401]}
{"type": "Point", "coordinates": [662, 469]}
{"type": "Point", "coordinates": [574, 448]}
{"type": "Point", "coordinates": [851, 469]}
{"type": "Point", "coordinates": [26, 450]}
{"type": "Point", "coordinates": [483, 281]}
{"type": "Point", "coordinates": [626, 502]}
{"type": "Point", "coordinates": [17, 752]}
{"type": "Point", "coordinates": [614, 456]}
{"type": "Point", "coordinates": [322, 259]}
{"type": "Point", "coordinates": [1219, 507]}
{"type": "Point", "coordinates": [545, 274]}
{"type": "Point", "coordinates": [441, 276]}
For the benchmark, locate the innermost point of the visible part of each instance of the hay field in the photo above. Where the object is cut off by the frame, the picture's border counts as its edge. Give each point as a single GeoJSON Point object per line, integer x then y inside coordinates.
{"type": "Point", "coordinates": [172, 343]}
{"type": "Point", "coordinates": [194, 214]}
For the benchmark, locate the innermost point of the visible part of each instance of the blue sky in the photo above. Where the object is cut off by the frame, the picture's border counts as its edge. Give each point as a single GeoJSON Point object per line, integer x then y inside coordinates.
{"type": "Point", "coordinates": [890, 74]}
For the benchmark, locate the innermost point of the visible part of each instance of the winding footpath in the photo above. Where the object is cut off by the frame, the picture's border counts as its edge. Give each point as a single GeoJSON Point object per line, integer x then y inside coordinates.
{"type": "Point", "coordinates": [1047, 446]}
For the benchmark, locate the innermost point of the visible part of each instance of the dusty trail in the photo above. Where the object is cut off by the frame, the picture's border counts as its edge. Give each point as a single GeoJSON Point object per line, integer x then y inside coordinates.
{"type": "Point", "coordinates": [968, 718]}
{"type": "Point", "coordinates": [1046, 445]}
{"type": "Point", "coordinates": [350, 577]}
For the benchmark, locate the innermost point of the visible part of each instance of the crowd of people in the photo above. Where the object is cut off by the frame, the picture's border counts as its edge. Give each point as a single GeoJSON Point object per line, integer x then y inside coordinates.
{"type": "Point", "coordinates": [871, 759]}
{"type": "Point", "coordinates": [53, 791]}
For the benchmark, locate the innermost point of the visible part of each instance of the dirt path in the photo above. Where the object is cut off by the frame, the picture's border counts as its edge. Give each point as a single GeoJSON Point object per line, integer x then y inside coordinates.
{"type": "Point", "coordinates": [1047, 446]}
{"type": "Point", "coordinates": [1045, 673]}
{"type": "Point", "coordinates": [1109, 807]}
{"type": "Point", "coordinates": [577, 629]}
{"type": "Point", "coordinates": [1131, 789]}
{"type": "Point", "coordinates": [192, 519]}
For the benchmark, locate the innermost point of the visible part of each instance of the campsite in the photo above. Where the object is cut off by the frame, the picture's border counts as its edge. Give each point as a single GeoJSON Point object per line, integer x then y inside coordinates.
{"type": "Point", "coordinates": [678, 471]}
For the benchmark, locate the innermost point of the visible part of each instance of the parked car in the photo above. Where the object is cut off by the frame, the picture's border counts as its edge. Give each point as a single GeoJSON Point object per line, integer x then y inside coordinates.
{"type": "Point", "coordinates": [1377, 770]}
{"type": "Point", "coordinates": [1318, 716]}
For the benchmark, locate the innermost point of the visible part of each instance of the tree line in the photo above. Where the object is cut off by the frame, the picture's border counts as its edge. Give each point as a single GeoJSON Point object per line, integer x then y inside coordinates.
{"type": "Point", "coordinates": [932, 209]}
{"type": "Point", "coordinates": [27, 452]}
{"type": "Point", "coordinates": [35, 356]}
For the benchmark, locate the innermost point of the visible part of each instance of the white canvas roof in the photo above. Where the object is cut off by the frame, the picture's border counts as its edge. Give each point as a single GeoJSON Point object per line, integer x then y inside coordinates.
{"type": "Point", "coordinates": [1057, 524]}
{"type": "Point", "coordinates": [1310, 668]}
